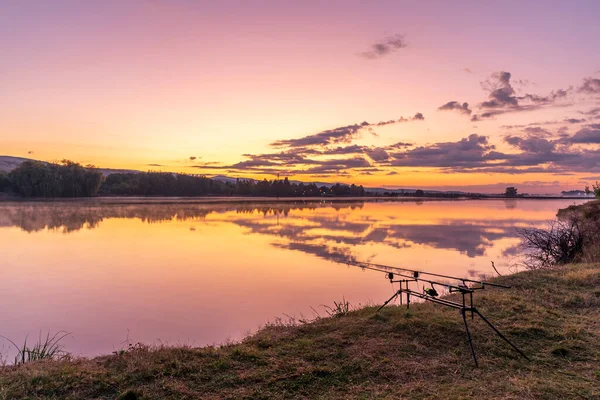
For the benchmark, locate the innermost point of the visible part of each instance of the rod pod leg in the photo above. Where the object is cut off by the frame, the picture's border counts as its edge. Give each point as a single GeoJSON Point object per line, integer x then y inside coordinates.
{"type": "Point", "coordinates": [464, 315]}
{"type": "Point", "coordinates": [386, 303]}
{"type": "Point", "coordinates": [501, 335]}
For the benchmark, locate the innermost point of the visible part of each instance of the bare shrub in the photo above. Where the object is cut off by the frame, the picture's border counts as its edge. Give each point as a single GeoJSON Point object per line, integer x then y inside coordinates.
{"type": "Point", "coordinates": [562, 243]}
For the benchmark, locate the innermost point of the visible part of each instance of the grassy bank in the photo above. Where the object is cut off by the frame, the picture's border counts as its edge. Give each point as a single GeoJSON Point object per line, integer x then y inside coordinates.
{"type": "Point", "coordinates": [552, 315]}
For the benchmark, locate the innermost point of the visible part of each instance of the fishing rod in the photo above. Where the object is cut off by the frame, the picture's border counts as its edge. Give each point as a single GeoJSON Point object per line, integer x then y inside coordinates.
{"type": "Point", "coordinates": [391, 273]}
{"type": "Point", "coordinates": [431, 295]}
{"type": "Point", "coordinates": [483, 283]}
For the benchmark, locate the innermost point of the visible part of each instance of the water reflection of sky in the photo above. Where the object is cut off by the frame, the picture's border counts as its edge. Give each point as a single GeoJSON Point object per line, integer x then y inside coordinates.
{"type": "Point", "coordinates": [203, 273]}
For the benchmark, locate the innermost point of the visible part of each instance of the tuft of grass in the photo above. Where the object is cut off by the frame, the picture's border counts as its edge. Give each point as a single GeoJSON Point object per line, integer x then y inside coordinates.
{"type": "Point", "coordinates": [338, 309]}
{"type": "Point", "coordinates": [46, 348]}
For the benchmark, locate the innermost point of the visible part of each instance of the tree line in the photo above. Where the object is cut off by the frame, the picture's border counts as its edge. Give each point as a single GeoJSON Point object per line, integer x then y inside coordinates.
{"type": "Point", "coordinates": [40, 179]}
{"type": "Point", "coordinates": [70, 179]}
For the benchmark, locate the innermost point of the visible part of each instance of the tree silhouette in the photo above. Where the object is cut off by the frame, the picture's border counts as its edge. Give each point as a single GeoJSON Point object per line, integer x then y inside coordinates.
{"type": "Point", "coordinates": [511, 192]}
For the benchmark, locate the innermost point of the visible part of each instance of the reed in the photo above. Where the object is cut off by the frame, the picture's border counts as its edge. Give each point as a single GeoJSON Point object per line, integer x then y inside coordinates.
{"type": "Point", "coordinates": [46, 348]}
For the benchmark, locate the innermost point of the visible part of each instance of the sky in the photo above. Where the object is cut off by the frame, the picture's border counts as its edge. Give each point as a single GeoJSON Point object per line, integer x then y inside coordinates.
{"type": "Point", "coordinates": [466, 95]}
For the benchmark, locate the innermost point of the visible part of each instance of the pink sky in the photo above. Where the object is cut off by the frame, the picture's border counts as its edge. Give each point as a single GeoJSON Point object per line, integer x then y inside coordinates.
{"type": "Point", "coordinates": [147, 84]}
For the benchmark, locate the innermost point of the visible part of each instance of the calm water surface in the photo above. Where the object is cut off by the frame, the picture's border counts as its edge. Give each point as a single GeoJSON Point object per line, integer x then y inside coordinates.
{"type": "Point", "coordinates": [201, 274]}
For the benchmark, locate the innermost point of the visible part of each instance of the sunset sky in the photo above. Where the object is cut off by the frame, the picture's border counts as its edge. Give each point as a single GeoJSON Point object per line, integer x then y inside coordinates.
{"type": "Point", "coordinates": [471, 95]}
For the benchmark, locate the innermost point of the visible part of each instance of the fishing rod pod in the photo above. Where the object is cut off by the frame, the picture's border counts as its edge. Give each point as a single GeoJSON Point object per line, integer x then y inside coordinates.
{"type": "Point", "coordinates": [431, 294]}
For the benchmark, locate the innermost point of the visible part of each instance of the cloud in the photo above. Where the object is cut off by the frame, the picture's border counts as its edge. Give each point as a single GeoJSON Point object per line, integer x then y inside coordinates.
{"type": "Point", "coordinates": [536, 154]}
{"type": "Point", "coordinates": [353, 149]}
{"type": "Point", "coordinates": [501, 91]}
{"type": "Point", "coordinates": [587, 135]}
{"type": "Point", "coordinates": [593, 112]}
{"type": "Point", "coordinates": [589, 86]}
{"type": "Point", "coordinates": [502, 97]}
{"type": "Point", "coordinates": [455, 105]}
{"type": "Point", "coordinates": [574, 120]}
{"type": "Point", "coordinates": [344, 134]}
{"type": "Point", "coordinates": [378, 154]}
{"type": "Point", "coordinates": [385, 47]}
{"type": "Point", "coordinates": [155, 165]}
{"type": "Point", "coordinates": [192, 158]}
{"type": "Point", "coordinates": [399, 145]}
{"type": "Point", "coordinates": [468, 151]}
{"type": "Point", "coordinates": [392, 173]}
{"type": "Point", "coordinates": [467, 70]}
{"type": "Point", "coordinates": [335, 166]}
{"type": "Point", "coordinates": [537, 131]}
{"type": "Point", "coordinates": [531, 144]}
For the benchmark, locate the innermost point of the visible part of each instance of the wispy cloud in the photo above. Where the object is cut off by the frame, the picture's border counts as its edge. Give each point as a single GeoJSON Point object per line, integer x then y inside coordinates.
{"type": "Point", "coordinates": [456, 106]}
{"type": "Point", "coordinates": [590, 86]}
{"type": "Point", "coordinates": [344, 134]}
{"type": "Point", "coordinates": [502, 97]}
{"type": "Point", "coordinates": [385, 47]}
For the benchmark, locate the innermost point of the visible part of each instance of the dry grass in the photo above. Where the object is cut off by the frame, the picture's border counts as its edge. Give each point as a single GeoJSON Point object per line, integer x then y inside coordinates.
{"type": "Point", "coordinates": [552, 315]}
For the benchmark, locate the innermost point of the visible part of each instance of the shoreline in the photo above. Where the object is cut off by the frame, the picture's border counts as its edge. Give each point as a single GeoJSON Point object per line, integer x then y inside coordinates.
{"type": "Point", "coordinates": [248, 199]}
{"type": "Point", "coordinates": [552, 315]}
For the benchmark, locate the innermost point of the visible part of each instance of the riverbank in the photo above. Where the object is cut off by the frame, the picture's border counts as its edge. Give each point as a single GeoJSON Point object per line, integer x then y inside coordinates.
{"type": "Point", "coordinates": [552, 315]}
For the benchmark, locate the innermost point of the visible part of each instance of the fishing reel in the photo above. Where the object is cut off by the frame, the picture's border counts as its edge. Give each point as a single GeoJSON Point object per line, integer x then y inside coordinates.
{"type": "Point", "coordinates": [430, 291]}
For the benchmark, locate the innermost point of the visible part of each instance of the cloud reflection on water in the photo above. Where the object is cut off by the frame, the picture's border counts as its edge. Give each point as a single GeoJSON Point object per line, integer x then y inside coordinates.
{"type": "Point", "coordinates": [327, 230]}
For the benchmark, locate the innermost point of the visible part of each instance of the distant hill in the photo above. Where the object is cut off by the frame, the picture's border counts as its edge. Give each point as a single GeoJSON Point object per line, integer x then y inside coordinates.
{"type": "Point", "coordinates": [8, 163]}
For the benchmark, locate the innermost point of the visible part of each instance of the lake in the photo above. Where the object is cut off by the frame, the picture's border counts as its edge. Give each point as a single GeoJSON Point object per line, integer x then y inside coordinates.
{"type": "Point", "coordinates": [198, 274]}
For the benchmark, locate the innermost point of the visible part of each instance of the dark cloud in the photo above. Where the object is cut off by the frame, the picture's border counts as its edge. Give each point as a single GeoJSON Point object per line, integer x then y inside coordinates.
{"type": "Point", "coordinates": [378, 154]}
{"type": "Point", "coordinates": [501, 91]}
{"type": "Point", "coordinates": [289, 157]}
{"type": "Point", "coordinates": [536, 154]}
{"type": "Point", "coordinates": [468, 151]}
{"type": "Point", "coordinates": [385, 47]}
{"type": "Point", "coordinates": [574, 120]}
{"type": "Point", "coordinates": [455, 105]}
{"type": "Point", "coordinates": [531, 144]}
{"type": "Point", "coordinates": [335, 166]}
{"type": "Point", "coordinates": [590, 86]}
{"type": "Point", "coordinates": [502, 97]}
{"type": "Point", "coordinates": [353, 149]}
{"type": "Point", "coordinates": [593, 112]}
{"type": "Point", "coordinates": [537, 131]}
{"type": "Point", "coordinates": [255, 162]}
{"type": "Point", "coordinates": [467, 70]}
{"type": "Point", "coordinates": [155, 165]}
{"type": "Point", "coordinates": [392, 173]}
{"type": "Point", "coordinates": [416, 117]}
{"type": "Point", "coordinates": [399, 145]}
{"type": "Point", "coordinates": [344, 134]}
{"type": "Point", "coordinates": [192, 158]}
{"type": "Point", "coordinates": [587, 135]}
{"type": "Point", "coordinates": [209, 165]}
